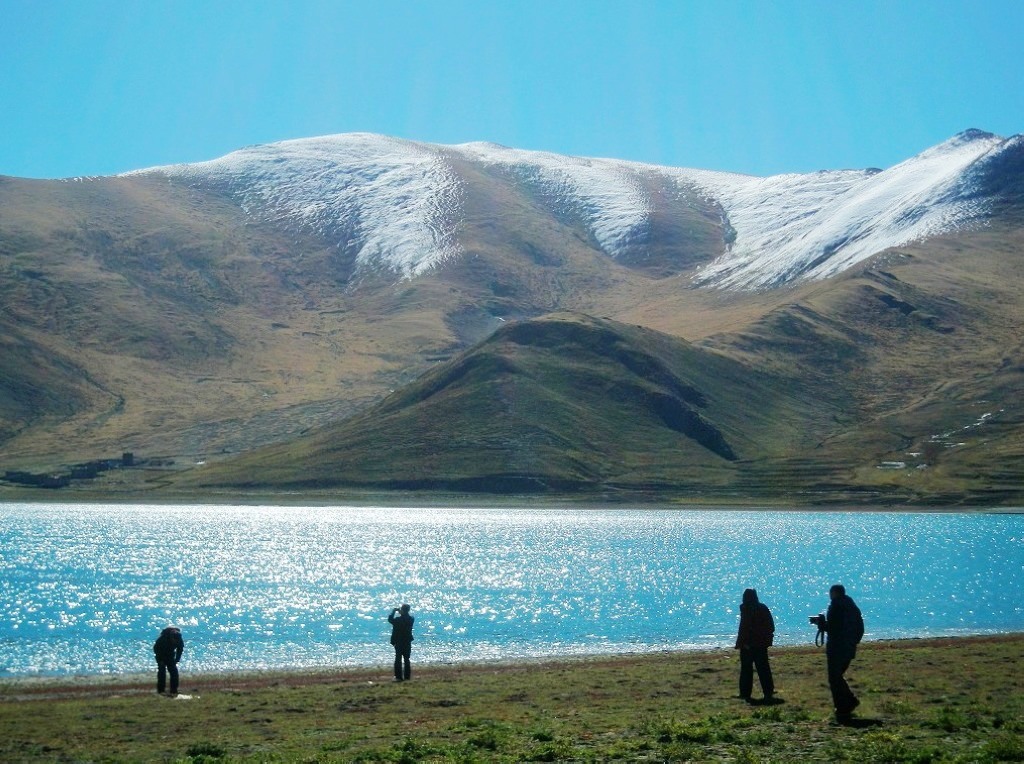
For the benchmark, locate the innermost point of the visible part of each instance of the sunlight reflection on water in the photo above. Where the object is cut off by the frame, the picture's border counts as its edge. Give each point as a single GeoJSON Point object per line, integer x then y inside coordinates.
{"type": "Point", "coordinates": [86, 588]}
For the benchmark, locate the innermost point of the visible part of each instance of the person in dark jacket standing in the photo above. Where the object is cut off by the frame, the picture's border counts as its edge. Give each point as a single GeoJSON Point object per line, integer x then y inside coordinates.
{"type": "Point", "coordinates": [401, 639]}
{"type": "Point", "coordinates": [168, 649]}
{"type": "Point", "coordinates": [844, 627]}
{"type": "Point", "coordinates": [755, 636]}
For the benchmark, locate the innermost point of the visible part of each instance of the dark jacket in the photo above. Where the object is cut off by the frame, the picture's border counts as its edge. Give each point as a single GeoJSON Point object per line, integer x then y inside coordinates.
{"type": "Point", "coordinates": [401, 629]}
{"type": "Point", "coordinates": [169, 645]}
{"type": "Point", "coordinates": [844, 624]}
{"type": "Point", "coordinates": [757, 627]}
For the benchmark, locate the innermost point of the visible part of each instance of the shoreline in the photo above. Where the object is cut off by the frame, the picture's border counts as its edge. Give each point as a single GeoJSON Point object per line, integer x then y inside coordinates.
{"type": "Point", "coordinates": [22, 688]}
{"type": "Point", "coordinates": [489, 501]}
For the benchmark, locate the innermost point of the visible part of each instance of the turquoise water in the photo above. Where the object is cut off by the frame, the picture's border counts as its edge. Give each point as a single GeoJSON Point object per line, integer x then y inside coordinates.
{"type": "Point", "coordinates": [84, 589]}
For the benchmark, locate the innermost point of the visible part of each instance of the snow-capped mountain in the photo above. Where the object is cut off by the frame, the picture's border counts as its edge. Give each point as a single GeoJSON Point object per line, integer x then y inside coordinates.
{"type": "Point", "coordinates": [399, 204]}
{"type": "Point", "coordinates": [817, 225]}
{"type": "Point", "coordinates": [524, 319]}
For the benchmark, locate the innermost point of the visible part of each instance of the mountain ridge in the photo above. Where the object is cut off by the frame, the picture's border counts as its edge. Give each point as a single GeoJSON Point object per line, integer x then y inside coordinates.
{"type": "Point", "coordinates": [783, 228]}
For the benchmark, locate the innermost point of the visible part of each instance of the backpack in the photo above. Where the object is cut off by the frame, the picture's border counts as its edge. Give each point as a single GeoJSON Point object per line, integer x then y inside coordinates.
{"type": "Point", "coordinates": [765, 623]}
{"type": "Point", "coordinates": [856, 624]}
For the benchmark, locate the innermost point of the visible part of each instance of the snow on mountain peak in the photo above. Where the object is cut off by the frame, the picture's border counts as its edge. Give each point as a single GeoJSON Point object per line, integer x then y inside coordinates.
{"type": "Point", "coordinates": [606, 193]}
{"type": "Point", "coordinates": [399, 203]}
{"type": "Point", "coordinates": [818, 225]}
{"type": "Point", "coordinates": [398, 199]}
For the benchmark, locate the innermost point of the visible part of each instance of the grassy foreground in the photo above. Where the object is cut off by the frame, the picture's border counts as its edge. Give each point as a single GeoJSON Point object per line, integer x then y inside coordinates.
{"type": "Point", "coordinates": [953, 700]}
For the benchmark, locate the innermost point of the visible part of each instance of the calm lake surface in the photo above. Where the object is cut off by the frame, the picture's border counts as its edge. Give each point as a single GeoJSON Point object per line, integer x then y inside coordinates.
{"type": "Point", "coordinates": [84, 589]}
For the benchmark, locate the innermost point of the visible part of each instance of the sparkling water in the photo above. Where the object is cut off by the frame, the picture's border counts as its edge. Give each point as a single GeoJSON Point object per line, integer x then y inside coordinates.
{"type": "Point", "coordinates": [87, 588]}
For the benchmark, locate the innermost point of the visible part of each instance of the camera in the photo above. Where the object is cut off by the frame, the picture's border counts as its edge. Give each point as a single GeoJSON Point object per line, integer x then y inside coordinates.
{"type": "Point", "coordinates": [818, 620]}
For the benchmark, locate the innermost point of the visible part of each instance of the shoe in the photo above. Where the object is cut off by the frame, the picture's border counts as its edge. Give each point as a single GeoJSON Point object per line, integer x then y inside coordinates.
{"type": "Point", "coordinates": [848, 709]}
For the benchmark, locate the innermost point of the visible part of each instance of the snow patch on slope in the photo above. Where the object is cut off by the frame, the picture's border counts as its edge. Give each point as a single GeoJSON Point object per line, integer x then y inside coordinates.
{"type": "Point", "coordinates": [402, 201]}
{"type": "Point", "coordinates": [818, 225]}
{"type": "Point", "coordinates": [398, 199]}
{"type": "Point", "coordinates": [607, 194]}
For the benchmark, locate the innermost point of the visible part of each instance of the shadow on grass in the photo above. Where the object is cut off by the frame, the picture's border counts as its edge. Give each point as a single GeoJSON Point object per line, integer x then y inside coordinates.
{"type": "Point", "coordinates": [857, 723]}
{"type": "Point", "coordinates": [766, 701]}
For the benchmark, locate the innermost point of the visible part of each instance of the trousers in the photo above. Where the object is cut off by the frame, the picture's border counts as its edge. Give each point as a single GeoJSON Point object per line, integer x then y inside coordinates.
{"type": "Point", "coordinates": [403, 667]}
{"type": "Point", "coordinates": [842, 696]}
{"type": "Point", "coordinates": [163, 669]}
{"type": "Point", "coordinates": [755, 658]}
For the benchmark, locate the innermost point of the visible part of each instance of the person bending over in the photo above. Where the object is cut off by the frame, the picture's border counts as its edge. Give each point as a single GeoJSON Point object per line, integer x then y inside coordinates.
{"type": "Point", "coordinates": [168, 649]}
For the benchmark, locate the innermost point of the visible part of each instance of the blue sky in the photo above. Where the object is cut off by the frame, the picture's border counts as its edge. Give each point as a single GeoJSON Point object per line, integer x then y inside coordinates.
{"type": "Point", "coordinates": [91, 88]}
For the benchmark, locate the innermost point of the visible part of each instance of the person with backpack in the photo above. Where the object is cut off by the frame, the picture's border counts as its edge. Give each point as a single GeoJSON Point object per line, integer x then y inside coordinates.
{"type": "Point", "coordinates": [401, 639]}
{"type": "Point", "coordinates": [844, 627]}
{"type": "Point", "coordinates": [168, 649]}
{"type": "Point", "coordinates": [755, 636]}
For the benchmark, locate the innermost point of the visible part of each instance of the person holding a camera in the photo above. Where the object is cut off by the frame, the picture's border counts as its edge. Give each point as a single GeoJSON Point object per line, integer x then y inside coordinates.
{"type": "Point", "coordinates": [842, 627]}
{"type": "Point", "coordinates": [401, 639]}
{"type": "Point", "coordinates": [755, 636]}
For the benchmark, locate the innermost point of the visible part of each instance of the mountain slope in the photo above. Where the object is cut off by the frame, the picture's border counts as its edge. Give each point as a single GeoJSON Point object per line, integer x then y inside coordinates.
{"type": "Point", "coordinates": [900, 382]}
{"type": "Point", "coordinates": [558, 403]}
{"type": "Point", "coordinates": [920, 353]}
{"type": "Point", "coordinates": [200, 311]}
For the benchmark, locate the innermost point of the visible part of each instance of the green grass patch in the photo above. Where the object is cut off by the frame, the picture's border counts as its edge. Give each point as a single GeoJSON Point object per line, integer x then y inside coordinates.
{"type": "Point", "coordinates": [954, 701]}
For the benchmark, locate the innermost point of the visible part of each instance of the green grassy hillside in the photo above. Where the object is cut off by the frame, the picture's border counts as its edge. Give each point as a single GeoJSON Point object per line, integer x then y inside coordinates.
{"type": "Point", "coordinates": [566, 402]}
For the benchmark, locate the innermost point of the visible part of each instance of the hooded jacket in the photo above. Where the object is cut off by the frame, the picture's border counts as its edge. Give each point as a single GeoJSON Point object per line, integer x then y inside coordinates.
{"type": "Point", "coordinates": [757, 627]}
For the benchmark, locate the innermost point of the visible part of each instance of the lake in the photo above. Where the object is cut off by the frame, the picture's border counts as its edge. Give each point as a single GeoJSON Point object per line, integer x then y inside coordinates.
{"type": "Point", "coordinates": [86, 588]}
